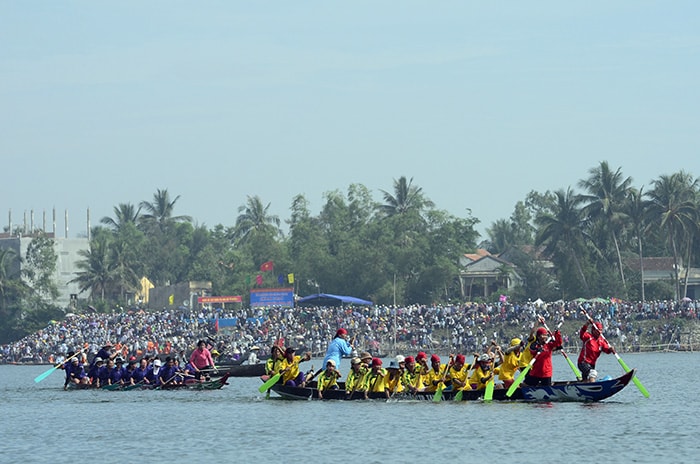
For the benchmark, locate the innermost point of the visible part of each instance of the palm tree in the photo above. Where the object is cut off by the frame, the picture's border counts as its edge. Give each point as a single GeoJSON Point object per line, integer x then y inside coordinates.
{"type": "Point", "coordinates": [254, 220]}
{"type": "Point", "coordinates": [159, 213]}
{"type": "Point", "coordinates": [561, 230]}
{"type": "Point", "coordinates": [636, 210]}
{"type": "Point", "coordinates": [96, 273]}
{"type": "Point", "coordinates": [406, 198]}
{"type": "Point", "coordinates": [125, 213]}
{"type": "Point", "coordinates": [673, 205]}
{"type": "Point", "coordinates": [607, 192]}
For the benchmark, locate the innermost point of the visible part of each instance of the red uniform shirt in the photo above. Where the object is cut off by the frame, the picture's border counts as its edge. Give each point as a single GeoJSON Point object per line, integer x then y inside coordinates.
{"type": "Point", "coordinates": [543, 364]}
{"type": "Point", "coordinates": [592, 347]}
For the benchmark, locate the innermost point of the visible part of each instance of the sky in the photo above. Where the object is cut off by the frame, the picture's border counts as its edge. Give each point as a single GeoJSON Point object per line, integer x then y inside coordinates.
{"type": "Point", "coordinates": [103, 103]}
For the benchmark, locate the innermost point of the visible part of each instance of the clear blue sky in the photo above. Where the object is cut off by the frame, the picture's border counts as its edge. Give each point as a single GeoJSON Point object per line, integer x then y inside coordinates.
{"type": "Point", "coordinates": [480, 102]}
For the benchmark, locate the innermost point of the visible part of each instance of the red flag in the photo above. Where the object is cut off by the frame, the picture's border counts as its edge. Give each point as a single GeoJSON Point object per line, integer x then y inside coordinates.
{"type": "Point", "coordinates": [267, 266]}
{"type": "Point", "coordinates": [258, 279]}
{"type": "Point", "coordinates": [216, 324]}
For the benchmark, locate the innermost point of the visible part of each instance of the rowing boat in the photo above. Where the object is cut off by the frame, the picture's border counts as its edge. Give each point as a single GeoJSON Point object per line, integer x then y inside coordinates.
{"type": "Point", "coordinates": [240, 370]}
{"type": "Point", "coordinates": [190, 384]}
{"type": "Point", "coordinates": [557, 392]}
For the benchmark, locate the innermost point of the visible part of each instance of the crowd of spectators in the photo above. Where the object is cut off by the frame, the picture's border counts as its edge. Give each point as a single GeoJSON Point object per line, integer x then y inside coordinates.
{"type": "Point", "coordinates": [380, 330]}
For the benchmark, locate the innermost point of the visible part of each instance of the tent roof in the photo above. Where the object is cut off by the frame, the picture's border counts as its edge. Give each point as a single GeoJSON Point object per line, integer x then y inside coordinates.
{"type": "Point", "coordinates": [328, 299]}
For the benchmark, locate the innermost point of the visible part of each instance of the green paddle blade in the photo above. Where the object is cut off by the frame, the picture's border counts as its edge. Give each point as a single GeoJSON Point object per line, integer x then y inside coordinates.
{"type": "Point", "coordinates": [42, 376]}
{"type": "Point", "coordinates": [438, 395]}
{"type": "Point", "coordinates": [636, 381]}
{"type": "Point", "coordinates": [518, 380]}
{"type": "Point", "coordinates": [270, 382]}
{"type": "Point", "coordinates": [573, 367]}
{"type": "Point", "coordinates": [488, 394]}
{"type": "Point", "coordinates": [459, 395]}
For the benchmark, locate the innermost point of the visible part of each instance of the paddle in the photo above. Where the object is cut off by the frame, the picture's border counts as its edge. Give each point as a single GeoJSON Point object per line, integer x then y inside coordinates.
{"type": "Point", "coordinates": [573, 367]}
{"type": "Point", "coordinates": [42, 376]}
{"type": "Point", "coordinates": [488, 394]}
{"type": "Point", "coordinates": [270, 382]}
{"type": "Point", "coordinates": [437, 397]}
{"type": "Point", "coordinates": [521, 376]}
{"type": "Point", "coordinates": [636, 381]}
{"type": "Point", "coordinates": [460, 392]}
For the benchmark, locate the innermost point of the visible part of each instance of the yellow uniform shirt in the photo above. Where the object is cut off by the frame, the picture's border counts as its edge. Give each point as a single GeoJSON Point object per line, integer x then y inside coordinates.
{"type": "Point", "coordinates": [413, 379]}
{"type": "Point", "coordinates": [458, 374]}
{"type": "Point", "coordinates": [273, 365]}
{"type": "Point", "coordinates": [326, 381]}
{"type": "Point", "coordinates": [511, 363]}
{"type": "Point", "coordinates": [394, 385]}
{"type": "Point", "coordinates": [431, 377]}
{"type": "Point", "coordinates": [479, 374]}
{"type": "Point", "coordinates": [293, 366]}
{"type": "Point", "coordinates": [374, 382]}
{"type": "Point", "coordinates": [355, 380]}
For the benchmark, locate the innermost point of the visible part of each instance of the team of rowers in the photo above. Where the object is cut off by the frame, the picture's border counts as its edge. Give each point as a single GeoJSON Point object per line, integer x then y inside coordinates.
{"type": "Point", "coordinates": [411, 374]}
{"type": "Point", "coordinates": [107, 368]}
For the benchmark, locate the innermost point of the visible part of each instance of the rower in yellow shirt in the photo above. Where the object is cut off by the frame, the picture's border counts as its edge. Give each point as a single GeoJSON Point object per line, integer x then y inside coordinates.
{"type": "Point", "coordinates": [483, 372]}
{"type": "Point", "coordinates": [435, 377]}
{"type": "Point", "coordinates": [328, 379]}
{"type": "Point", "coordinates": [392, 380]}
{"type": "Point", "coordinates": [374, 380]}
{"type": "Point", "coordinates": [291, 374]}
{"type": "Point", "coordinates": [356, 377]}
{"type": "Point", "coordinates": [511, 362]}
{"type": "Point", "coordinates": [412, 379]}
{"type": "Point", "coordinates": [457, 374]}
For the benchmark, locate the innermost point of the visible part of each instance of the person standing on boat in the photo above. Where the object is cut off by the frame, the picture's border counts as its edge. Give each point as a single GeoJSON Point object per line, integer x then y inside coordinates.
{"type": "Point", "coordinates": [201, 359]}
{"type": "Point", "coordinates": [338, 347]}
{"type": "Point", "coordinates": [105, 353]}
{"type": "Point", "coordinates": [593, 346]}
{"type": "Point", "coordinates": [542, 348]}
{"type": "Point", "coordinates": [328, 379]}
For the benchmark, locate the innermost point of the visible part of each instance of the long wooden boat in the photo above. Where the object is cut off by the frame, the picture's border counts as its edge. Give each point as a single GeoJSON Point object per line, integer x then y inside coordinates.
{"type": "Point", "coordinates": [190, 384]}
{"type": "Point", "coordinates": [557, 392]}
{"type": "Point", "coordinates": [240, 370]}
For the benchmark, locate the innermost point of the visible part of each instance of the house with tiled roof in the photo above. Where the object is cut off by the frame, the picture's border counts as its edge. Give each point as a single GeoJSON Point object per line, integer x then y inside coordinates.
{"type": "Point", "coordinates": [482, 274]}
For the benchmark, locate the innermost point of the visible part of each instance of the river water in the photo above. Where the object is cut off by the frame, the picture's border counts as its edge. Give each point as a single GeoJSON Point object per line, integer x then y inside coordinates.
{"type": "Point", "coordinates": [42, 423]}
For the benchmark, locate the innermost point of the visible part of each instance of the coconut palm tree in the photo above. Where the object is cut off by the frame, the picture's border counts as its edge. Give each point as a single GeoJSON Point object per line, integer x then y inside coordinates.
{"type": "Point", "coordinates": [607, 192]}
{"type": "Point", "coordinates": [254, 220]}
{"type": "Point", "coordinates": [405, 199]}
{"type": "Point", "coordinates": [672, 202]}
{"type": "Point", "coordinates": [159, 212]}
{"type": "Point", "coordinates": [562, 230]}
{"type": "Point", "coordinates": [97, 273]}
{"type": "Point", "coordinates": [125, 213]}
{"type": "Point", "coordinates": [636, 210]}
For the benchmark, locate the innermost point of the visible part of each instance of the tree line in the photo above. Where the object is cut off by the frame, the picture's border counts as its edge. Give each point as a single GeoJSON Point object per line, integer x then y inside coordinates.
{"type": "Point", "coordinates": [400, 250]}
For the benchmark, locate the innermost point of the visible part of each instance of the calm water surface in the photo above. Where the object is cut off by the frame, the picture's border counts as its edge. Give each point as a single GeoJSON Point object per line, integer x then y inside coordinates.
{"type": "Point", "coordinates": [42, 423]}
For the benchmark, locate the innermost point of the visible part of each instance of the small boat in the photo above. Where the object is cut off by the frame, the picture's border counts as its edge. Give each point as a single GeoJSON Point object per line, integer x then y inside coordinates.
{"type": "Point", "coordinates": [557, 392]}
{"type": "Point", "coordinates": [240, 370]}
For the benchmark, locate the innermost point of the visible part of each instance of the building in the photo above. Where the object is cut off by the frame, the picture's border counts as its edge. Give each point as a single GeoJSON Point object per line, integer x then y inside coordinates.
{"type": "Point", "coordinates": [483, 274]}
{"type": "Point", "coordinates": [67, 252]}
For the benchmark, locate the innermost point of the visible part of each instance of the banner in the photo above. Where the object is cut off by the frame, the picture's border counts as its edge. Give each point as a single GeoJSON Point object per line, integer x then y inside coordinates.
{"type": "Point", "coordinates": [171, 299]}
{"type": "Point", "coordinates": [220, 299]}
{"type": "Point", "coordinates": [272, 297]}
{"type": "Point", "coordinates": [290, 278]}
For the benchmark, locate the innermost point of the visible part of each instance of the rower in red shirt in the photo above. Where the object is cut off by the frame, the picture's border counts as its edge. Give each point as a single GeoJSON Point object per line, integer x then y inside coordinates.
{"type": "Point", "coordinates": [542, 347]}
{"type": "Point", "coordinates": [593, 345]}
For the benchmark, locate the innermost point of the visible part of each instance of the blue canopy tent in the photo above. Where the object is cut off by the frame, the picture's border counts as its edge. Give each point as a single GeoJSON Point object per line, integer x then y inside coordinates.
{"type": "Point", "coordinates": [326, 299]}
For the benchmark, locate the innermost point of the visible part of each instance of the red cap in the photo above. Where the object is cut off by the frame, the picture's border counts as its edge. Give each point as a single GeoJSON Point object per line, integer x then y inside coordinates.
{"type": "Point", "coordinates": [410, 359]}
{"type": "Point", "coordinates": [541, 331]}
{"type": "Point", "coordinates": [421, 355]}
{"type": "Point", "coordinates": [435, 359]}
{"type": "Point", "coordinates": [598, 326]}
{"type": "Point", "coordinates": [376, 362]}
{"type": "Point", "coordinates": [341, 332]}
{"type": "Point", "coordinates": [460, 359]}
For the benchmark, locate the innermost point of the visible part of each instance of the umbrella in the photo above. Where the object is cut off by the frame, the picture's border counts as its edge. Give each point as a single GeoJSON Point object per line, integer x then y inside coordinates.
{"type": "Point", "coordinates": [686, 299]}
